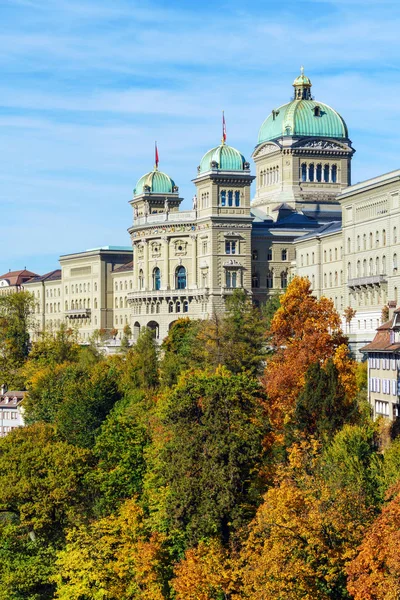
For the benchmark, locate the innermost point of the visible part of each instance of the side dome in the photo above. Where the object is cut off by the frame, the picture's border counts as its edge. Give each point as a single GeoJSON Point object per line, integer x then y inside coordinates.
{"type": "Point", "coordinates": [303, 117]}
{"type": "Point", "coordinates": [225, 158]}
{"type": "Point", "coordinates": [155, 182]}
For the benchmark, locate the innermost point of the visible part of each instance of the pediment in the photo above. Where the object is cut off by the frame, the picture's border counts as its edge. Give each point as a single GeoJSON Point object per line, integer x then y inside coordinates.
{"type": "Point", "coordinates": [265, 149]}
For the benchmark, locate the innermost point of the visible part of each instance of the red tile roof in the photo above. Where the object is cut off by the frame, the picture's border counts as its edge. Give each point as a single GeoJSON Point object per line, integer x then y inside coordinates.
{"type": "Point", "coordinates": [18, 277]}
{"type": "Point", "coordinates": [381, 341]}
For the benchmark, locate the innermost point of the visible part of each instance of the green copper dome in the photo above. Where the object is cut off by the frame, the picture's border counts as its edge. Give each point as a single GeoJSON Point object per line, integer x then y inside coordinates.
{"type": "Point", "coordinates": [303, 117]}
{"type": "Point", "coordinates": [155, 182]}
{"type": "Point", "coordinates": [223, 157]}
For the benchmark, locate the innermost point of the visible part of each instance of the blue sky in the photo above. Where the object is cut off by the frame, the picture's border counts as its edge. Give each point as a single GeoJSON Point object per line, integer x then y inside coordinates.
{"type": "Point", "coordinates": [87, 86]}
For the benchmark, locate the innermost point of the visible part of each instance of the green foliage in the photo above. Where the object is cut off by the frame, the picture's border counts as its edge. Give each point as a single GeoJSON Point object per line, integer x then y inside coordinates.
{"type": "Point", "coordinates": [352, 461]}
{"type": "Point", "coordinates": [207, 454]}
{"type": "Point", "coordinates": [119, 450]}
{"type": "Point", "coordinates": [269, 309]}
{"type": "Point", "coordinates": [53, 349]}
{"type": "Point", "coordinates": [15, 319]}
{"type": "Point", "coordinates": [180, 350]}
{"type": "Point", "coordinates": [322, 407]}
{"type": "Point", "coordinates": [42, 480]}
{"type": "Point", "coordinates": [141, 365]}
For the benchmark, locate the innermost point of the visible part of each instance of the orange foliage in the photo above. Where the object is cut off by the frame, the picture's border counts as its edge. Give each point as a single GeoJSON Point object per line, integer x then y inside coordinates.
{"type": "Point", "coordinates": [204, 573]}
{"type": "Point", "coordinates": [303, 535]}
{"type": "Point", "coordinates": [375, 573]}
{"type": "Point", "coordinates": [303, 330]}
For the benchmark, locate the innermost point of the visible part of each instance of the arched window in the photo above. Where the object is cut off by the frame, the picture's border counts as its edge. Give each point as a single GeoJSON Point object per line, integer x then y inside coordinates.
{"type": "Point", "coordinates": [371, 238]}
{"type": "Point", "coordinates": [377, 265]}
{"type": "Point", "coordinates": [231, 279]}
{"type": "Point", "coordinates": [284, 254]}
{"type": "Point", "coordinates": [383, 265]}
{"type": "Point", "coordinates": [319, 173]}
{"type": "Point", "coordinates": [254, 255]}
{"type": "Point", "coordinates": [270, 280]}
{"type": "Point", "coordinates": [348, 270]}
{"type": "Point", "coordinates": [377, 238]}
{"type": "Point", "coordinates": [255, 281]}
{"type": "Point", "coordinates": [317, 111]}
{"type": "Point", "coordinates": [384, 237]}
{"type": "Point", "coordinates": [237, 198]}
{"type": "Point", "coordinates": [141, 279]}
{"type": "Point", "coordinates": [365, 267]}
{"type": "Point", "coordinates": [358, 268]}
{"type": "Point", "coordinates": [178, 307]}
{"type": "Point", "coordinates": [171, 307]}
{"type": "Point", "coordinates": [326, 173]}
{"type": "Point", "coordinates": [304, 172]}
{"type": "Point", "coordinates": [358, 243]}
{"type": "Point", "coordinates": [371, 266]}
{"type": "Point", "coordinates": [180, 277]}
{"type": "Point", "coordinates": [157, 307]}
{"type": "Point", "coordinates": [365, 241]}
{"type": "Point", "coordinates": [284, 280]}
{"type": "Point", "coordinates": [311, 172]}
{"type": "Point", "coordinates": [223, 197]}
{"type": "Point", "coordinates": [185, 306]}
{"type": "Point", "coordinates": [395, 262]}
{"type": "Point", "coordinates": [394, 235]}
{"type": "Point", "coordinates": [95, 303]}
{"type": "Point", "coordinates": [334, 173]}
{"type": "Point", "coordinates": [116, 302]}
{"type": "Point", "coordinates": [156, 278]}
{"type": "Point", "coordinates": [230, 198]}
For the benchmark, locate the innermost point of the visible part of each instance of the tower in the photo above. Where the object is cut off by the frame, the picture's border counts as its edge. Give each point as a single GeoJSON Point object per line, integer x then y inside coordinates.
{"type": "Point", "coordinates": [303, 156]}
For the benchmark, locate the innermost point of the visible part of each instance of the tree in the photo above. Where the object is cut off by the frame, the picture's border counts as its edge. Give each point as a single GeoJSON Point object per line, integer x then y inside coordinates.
{"type": "Point", "coordinates": [204, 573]}
{"type": "Point", "coordinates": [119, 450]}
{"type": "Point", "coordinates": [54, 349]}
{"type": "Point", "coordinates": [374, 574]}
{"type": "Point", "coordinates": [15, 321]}
{"type": "Point", "coordinates": [304, 534]}
{"type": "Point", "coordinates": [114, 558]}
{"type": "Point", "coordinates": [349, 314]}
{"type": "Point", "coordinates": [323, 407]}
{"type": "Point", "coordinates": [206, 455]}
{"type": "Point", "coordinates": [180, 350]}
{"type": "Point", "coordinates": [302, 329]}
{"type": "Point", "coordinates": [141, 365]}
{"type": "Point", "coordinates": [75, 399]}
{"type": "Point", "coordinates": [127, 334]}
{"type": "Point", "coordinates": [44, 484]}
{"type": "Point", "coordinates": [237, 340]}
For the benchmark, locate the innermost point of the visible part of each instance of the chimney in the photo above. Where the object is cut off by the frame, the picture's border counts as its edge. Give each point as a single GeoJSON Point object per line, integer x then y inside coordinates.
{"type": "Point", "coordinates": [392, 307]}
{"type": "Point", "coordinates": [3, 389]}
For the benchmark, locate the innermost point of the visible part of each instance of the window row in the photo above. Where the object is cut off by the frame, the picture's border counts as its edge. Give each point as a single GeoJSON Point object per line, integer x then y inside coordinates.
{"type": "Point", "coordinates": [122, 320]}
{"type": "Point", "coordinates": [387, 363]}
{"type": "Point", "coordinates": [332, 279]}
{"type": "Point", "coordinates": [269, 282]}
{"type": "Point", "coordinates": [49, 293]}
{"type": "Point", "coordinates": [371, 267]}
{"type": "Point", "coordinates": [121, 302]}
{"type": "Point", "coordinates": [53, 307]}
{"type": "Point", "coordinates": [81, 303]}
{"type": "Point", "coordinates": [269, 176]}
{"type": "Point", "coordinates": [371, 240]}
{"type": "Point", "coordinates": [284, 254]}
{"type": "Point", "coordinates": [180, 278]}
{"type": "Point", "coordinates": [123, 285]}
{"type": "Point", "coordinates": [81, 287]}
{"type": "Point", "coordinates": [318, 172]}
{"type": "Point", "coordinates": [205, 200]}
{"type": "Point", "coordinates": [229, 198]}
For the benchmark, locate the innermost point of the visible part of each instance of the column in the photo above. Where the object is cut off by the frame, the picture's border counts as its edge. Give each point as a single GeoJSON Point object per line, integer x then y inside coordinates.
{"type": "Point", "coordinates": [165, 273]}
{"type": "Point", "coordinates": [135, 268]}
{"type": "Point", "coordinates": [146, 263]}
{"type": "Point", "coordinates": [194, 262]}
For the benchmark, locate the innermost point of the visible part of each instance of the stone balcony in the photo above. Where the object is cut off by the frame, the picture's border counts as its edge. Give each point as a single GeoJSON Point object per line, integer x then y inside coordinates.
{"type": "Point", "coordinates": [182, 216]}
{"type": "Point", "coordinates": [154, 295]}
{"type": "Point", "coordinates": [78, 313]}
{"type": "Point", "coordinates": [369, 280]}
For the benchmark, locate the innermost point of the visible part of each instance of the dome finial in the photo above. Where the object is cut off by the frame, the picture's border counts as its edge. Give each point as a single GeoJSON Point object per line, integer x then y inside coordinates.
{"type": "Point", "coordinates": [155, 157]}
{"type": "Point", "coordinates": [302, 86]}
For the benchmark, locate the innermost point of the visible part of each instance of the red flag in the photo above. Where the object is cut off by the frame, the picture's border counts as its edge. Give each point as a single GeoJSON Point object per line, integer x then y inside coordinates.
{"type": "Point", "coordinates": [223, 128]}
{"type": "Point", "coordinates": [156, 150]}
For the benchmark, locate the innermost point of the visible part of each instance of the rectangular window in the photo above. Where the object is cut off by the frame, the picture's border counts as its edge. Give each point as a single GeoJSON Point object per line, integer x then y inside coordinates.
{"type": "Point", "coordinates": [394, 387]}
{"type": "Point", "coordinates": [382, 408]}
{"type": "Point", "coordinates": [230, 247]}
{"type": "Point", "coordinates": [269, 254]}
{"type": "Point", "coordinates": [230, 198]}
{"type": "Point", "coordinates": [237, 198]}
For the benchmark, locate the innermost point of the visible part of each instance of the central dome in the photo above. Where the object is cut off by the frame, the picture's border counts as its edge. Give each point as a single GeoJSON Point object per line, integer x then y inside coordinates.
{"type": "Point", "coordinates": [155, 182]}
{"type": "Point", "coordinates": [303, 117]}
{"type": "Point", "coordinates": [223, 157]}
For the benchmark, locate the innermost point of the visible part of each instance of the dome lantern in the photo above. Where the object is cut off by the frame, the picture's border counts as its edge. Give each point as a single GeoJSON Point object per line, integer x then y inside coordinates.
{"type": "Point", "coordinates": [302, 87]}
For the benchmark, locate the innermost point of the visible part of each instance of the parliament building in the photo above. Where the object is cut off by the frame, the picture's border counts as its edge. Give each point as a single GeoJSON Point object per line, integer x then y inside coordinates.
{"type": "Point", "coordinates": [305, 218]}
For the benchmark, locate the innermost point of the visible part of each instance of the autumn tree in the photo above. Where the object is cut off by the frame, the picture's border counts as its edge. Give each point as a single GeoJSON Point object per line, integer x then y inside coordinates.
{"type": "Point", "coordinates": [303, 329]}
{"type": "Point", "coordinates": [374, 574]}
{"type": "Point", "coordinates": [114, 558]}
{"type": "Point", "coordinates": [303, 535]}
{"type": "Point", "coordinates": [142, 363]}
{"type": "Point", "coordinates": [205, 573]}
{"type": "Point", "coordinates": [203, 466]}
{"type": "Point", "coordinates": [180, 350]}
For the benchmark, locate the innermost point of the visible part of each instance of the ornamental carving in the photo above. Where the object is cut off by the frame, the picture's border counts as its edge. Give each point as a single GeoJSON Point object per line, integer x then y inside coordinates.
{"type": "Point", "coordinates": [232, 263]}
{"type": "Point", "coordinates": [267, 149]}
{"type": "Point", "coordinates": [322, 145]}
